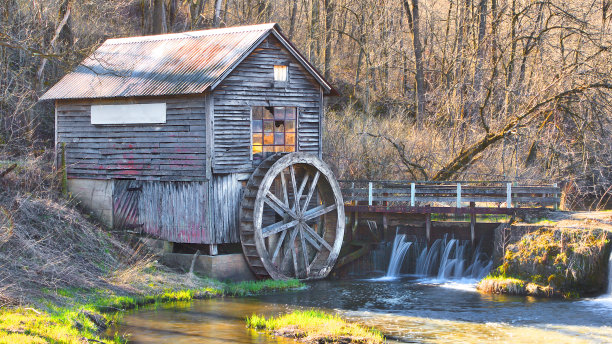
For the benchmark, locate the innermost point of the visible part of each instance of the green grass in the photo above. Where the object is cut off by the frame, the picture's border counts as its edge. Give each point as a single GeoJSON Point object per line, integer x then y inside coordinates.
{"type": "Point", "coordinates": [59, 326]}
{"type": "Point", "coordinates": [258, 287]}
{"type": "Point", "coordinates": [316, 327]}
{"type": "Point", "coordinates": [70, 324]}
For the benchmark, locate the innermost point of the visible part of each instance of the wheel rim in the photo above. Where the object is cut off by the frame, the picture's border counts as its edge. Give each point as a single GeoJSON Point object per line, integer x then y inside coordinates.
{"type": "Point", "coordinates": [297, 217]}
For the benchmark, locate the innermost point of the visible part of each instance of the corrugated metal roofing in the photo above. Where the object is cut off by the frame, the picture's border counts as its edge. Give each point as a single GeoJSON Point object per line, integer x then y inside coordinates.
{"type": "Point", "coordinates": [170, 64]}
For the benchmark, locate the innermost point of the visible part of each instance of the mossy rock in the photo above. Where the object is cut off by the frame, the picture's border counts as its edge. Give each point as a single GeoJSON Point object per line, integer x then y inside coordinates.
{"type": "Point", "coordinates": [571, 261]}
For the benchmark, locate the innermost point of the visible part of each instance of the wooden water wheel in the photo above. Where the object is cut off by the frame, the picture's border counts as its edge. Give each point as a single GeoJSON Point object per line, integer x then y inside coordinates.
{"type": "Point", "coordinates": [292, 218]}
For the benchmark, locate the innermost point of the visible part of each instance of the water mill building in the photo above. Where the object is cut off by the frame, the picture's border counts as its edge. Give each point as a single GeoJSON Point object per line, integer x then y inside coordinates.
{"type": "Point", "coordinates": [160, 135]}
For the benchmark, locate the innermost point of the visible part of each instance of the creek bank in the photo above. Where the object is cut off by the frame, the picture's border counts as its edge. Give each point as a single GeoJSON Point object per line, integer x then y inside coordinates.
{"type": "Point", "coordinates": [552, 260]}
{"type": "Point", "coordinates": [85, 320]}
{"type": "Point", "coordinates": [313, 326]}
{"type": "Point", "coordinates": [64, 277]}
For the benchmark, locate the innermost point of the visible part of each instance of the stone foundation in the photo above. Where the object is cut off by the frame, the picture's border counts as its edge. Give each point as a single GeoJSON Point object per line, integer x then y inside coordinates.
{"type": "Point", "coordinates": [223, 267]}
{"type": "Point", "coordinates": [94, 195]}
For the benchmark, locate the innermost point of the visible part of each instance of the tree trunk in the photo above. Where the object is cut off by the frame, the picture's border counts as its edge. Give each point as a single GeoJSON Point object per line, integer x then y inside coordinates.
{"type": "Point", "coordinates": [414, 22]}
{"type": "Point", "coordinates": [172, 11]}
{"type": "Point", "coordinates": [195, 10]}
{"type": "Point", "coordinates": [159, 18]}
{"type": "Point", "coordinates": [314, 22]}
{"type": "Point", "coordinates": [66, 36]}
{"type": "Point", "coordinates": [329, 18]}
{"type": "Point", "coordinates": [217, 19]}
{"type": "Point", "coordinates": [482, 27]}
{"type": "Point", "coordinates": [292, 22]}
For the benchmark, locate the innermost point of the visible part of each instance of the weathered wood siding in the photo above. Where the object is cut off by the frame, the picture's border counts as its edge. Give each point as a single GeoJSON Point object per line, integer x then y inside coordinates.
{"type": "Point", "coordinates": [173, 151]}
{"type": "Point", "coordinates": [252, 84]}
{"type": "Point", "coordinates": [225, 195]}
{"type": "Point", "coordinates": [173, 211]}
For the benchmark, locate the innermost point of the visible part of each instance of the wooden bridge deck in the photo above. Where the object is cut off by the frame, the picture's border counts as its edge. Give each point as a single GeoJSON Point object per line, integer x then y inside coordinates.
{"type": "Point", "coordinates": [447, 197]}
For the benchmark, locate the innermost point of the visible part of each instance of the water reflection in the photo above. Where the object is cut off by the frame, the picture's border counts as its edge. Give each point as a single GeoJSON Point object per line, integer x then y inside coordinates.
{"type": "Point", "coordinates": [207, 321]}
{"type": "Point", "coordinates": [409, 309]}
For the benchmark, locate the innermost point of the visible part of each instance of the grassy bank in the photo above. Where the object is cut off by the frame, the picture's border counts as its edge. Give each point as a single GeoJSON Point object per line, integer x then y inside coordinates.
{"type": "Point", "coordinates": [64, 277]}
{"type": "Point", "coordinates": [94, 310]}
{"type": "Point", "coordinates": [315, 327]}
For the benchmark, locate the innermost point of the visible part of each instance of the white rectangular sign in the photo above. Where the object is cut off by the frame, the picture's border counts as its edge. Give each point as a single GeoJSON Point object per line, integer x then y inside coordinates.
{"type": "Point", "coordinates": [128, 113]}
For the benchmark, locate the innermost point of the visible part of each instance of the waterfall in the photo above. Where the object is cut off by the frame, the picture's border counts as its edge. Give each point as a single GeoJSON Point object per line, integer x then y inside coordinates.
{"type": "Point", "coordinates": [447, 264]}
{"type": "Point", "coordinates": [453, 255]}
{"type": "Point", "coordinates": [400, 248]}
{"type": "Point", "coordinates": [610, 275]}
{"type": "Point", "coordinates": [445, 258]}
{"type": "Point", "coordinates": [429, 258]}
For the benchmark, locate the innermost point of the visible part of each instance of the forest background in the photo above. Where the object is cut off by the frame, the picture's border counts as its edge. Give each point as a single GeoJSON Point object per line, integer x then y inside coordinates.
{"type": "Point", "coordinates": [515, 90]}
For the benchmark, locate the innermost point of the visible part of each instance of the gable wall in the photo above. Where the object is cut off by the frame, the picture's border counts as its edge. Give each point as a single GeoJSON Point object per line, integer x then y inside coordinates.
{"type": "Point", "coordinates": [252, 84]}
{"type": "Point", "coordinates": [174, 151]}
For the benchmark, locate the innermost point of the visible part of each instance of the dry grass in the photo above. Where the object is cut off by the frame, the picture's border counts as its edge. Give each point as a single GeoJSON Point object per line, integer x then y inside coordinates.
{"type": "Point", "coordinates": [46, 244]}
{"type": "Point", "coordinates": [502, 285]}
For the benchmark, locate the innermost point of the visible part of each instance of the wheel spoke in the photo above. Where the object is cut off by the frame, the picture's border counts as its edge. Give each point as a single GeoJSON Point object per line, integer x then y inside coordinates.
{"type": "Point", "coordinates": [284, 186]}
{"type": "Point", "coordinates": [278, 205]}
{"type": "Point", "coordinates": [293, 185]}
{"type": "Point", "coordinates": [288, 248]}
{"type": "Point", "coordinates": [318, 211]}
{"type": "Point", "coordinates": [312, 241]}
{"type": "Point", "coordinates": [304, 251]}
{"type": "Point", "coordinates": [279, 243]}
{"type": "Point", "coordinates": [277, 227]}
{"type": "Point", "coordinates": [296, 205]}
{"type": "Point", "coordinates": [294, 251]}
{"type": "Point", "coordinates": [314, 234]}
{"type": "Point", "coordinates": [313, 186]}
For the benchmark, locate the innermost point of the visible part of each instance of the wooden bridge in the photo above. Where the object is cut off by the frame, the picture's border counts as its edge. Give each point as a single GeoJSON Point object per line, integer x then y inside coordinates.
{"type": "Point", "coordinates": [405, 201]}
{"type": "Point", "coordinates": [471, 197]}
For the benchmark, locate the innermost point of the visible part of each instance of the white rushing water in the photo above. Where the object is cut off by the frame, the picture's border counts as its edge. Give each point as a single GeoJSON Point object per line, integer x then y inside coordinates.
{"type": "Point", "coordinates": [444, 259]}
{"type": "Point", "coordinates": [610, 275]}
{"type": "Point", "coordinates": [400, 248]}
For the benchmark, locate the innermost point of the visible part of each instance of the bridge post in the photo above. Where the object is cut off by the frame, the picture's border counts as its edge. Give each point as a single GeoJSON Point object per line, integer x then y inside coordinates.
{"type": "Point", "coordinates": [556, 207]}
{"type": "Point", "coordinates": [458, 195]}
{"type": "Point", "coordinates": [508, 195]}
{"type": "Point", "coordinates": [412, 194]}
{"type": "Point", "coordinates": [370, 193]}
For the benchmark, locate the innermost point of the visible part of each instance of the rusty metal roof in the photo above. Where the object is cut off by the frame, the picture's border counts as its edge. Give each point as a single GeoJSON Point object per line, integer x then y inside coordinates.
{"type": "Point", "coordinates": [170, 64]}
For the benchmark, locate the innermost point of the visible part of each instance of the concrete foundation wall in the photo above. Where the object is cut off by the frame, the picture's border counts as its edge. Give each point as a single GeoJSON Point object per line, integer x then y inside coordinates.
{"type": "Point", "coordinates": [223, 267]}
{"type": "Point", "coordinates": [96, 196]}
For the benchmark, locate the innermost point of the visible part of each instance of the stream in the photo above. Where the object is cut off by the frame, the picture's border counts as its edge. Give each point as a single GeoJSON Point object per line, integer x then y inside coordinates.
{"type": "Point", "coordinates": [408, 309]}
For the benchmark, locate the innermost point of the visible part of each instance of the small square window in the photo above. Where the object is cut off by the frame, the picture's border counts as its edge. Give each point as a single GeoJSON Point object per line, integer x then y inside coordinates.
{"type": "Point", "coordinates": [273, 129]}
{"type": "Point", "coordinates": [281, 73]}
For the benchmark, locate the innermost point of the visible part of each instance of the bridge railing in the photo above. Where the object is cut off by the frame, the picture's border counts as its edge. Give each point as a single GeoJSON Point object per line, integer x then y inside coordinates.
{"type": "Point", "coordinates": [457, 194]}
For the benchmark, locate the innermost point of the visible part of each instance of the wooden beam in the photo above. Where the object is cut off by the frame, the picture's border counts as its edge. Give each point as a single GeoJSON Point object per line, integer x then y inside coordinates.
{"type": "Point", "coordinates": [428, 228]}
{"type": "Point", "coordinates": [473, 223]}
{"type": "Point", "coordinates": [385, 226]}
